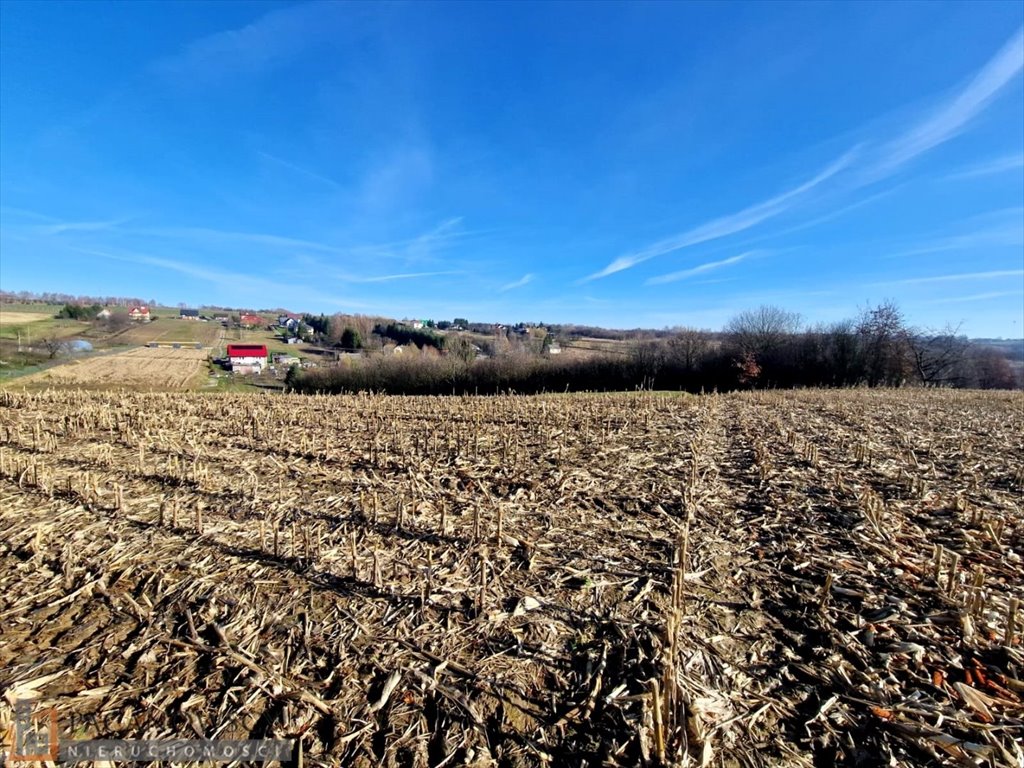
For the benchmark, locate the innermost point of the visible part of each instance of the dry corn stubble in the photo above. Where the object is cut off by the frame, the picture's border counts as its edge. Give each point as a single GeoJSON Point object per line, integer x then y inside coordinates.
{"type": "Point", "coordinates": [762, 578]}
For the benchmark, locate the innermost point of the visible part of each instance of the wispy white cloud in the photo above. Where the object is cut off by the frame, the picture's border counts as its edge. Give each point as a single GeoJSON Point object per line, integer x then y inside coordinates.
{"type": "Point", "coordinates": [982, 239]}
{"type": "Point", "coordinates": [951, 118]}
{"type": "Point", "coordinates": [268, 41]}
{"type": "Point", "coordinates": [206, 234]}
{"type": "Point", "coordinates": [396, 177]}
{"type": "Point", "coordinates": [831, 215]}
{"type": "Point", "coordinates": [81, 226]}
{"type": "Point", "coordinates": [989, 167]}
{"type": "Point", "coordinates": [524, 280]}
{"type": "Point", "coordinates": [422, 247]}
{"type": "Point", "coordinates": [300, 170]}
{"type": "Point", "coordinates": [227, 280]}
{"type": "Point", "coordinates": [978, 297]}
{"type": "Point", "coordinates": [710, 266]}
{"type": "Point", "coordinates": [446, 228]}
{"type": "Point", "coordinates": [876, 163]}
{"type": "Point", "coordinates": [730, 224]}
{"type": "Point", "coordinates": [221, 277]}
{"type": "Point", "coordinates": [6, 212]}
{"type": "Point", "coordinates": [716, 281]}
{"type": "Point", "coordinates": [990, 275]}
{"type": "Point", "coordinates": [994, 229]}
{"type": "Point", "coordinates": [55, 225]}
{"type": "Point", "coordinates": [403, 276]}
{"type": "Point", "coordinates": [409, 248]}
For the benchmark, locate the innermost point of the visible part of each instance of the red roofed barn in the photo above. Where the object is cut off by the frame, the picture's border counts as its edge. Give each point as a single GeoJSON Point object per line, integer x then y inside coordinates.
{"type": "Point", "coordinates": [247, 358]}
{"type": "Point", "coordinates": [139, 313]}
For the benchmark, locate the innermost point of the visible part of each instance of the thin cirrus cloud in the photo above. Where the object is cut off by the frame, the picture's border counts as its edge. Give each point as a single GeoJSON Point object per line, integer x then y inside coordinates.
{"type": "Point", "coordinates": [989, 168]}
{"type": "Point", "coordinates": [524, 280]}
{"type": "Point", "coordinates": [727, 225]}
{"type": "Point", "coordinates": [270, 40]}
{"type": "Point", "coordinates": [81, 226]}
{"type": "Point", "coordinates": [710, 266]}
{"type": "Point", "coordinates": [402, 276]}
{"type": "Point", "coordinates": [56, 226]}
{"type": "Point", "coordinates": [978, 297]}
{"type": "Point", "coordinates": [301, 171]}
{"type": "Point", "coordinates": [440, 235]}
{"type": "Point", "coordinates": [951, 118]}
{"type": "Point", "coordinates": [191, 270]}
{"type": "Point", "coordinates": [209, 235]}
{"type": "Point", "coordinates": [885, 159]}
{"type": "Point", "coordinates": [994, 229]}
{"type": "Point", "coordinates": [224, 279]}
{"type": "Point", "coordinates": [928, 279]}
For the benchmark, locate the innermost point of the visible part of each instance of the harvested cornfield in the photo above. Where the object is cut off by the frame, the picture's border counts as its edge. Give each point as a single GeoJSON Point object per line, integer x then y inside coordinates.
{"type": "Point", "coordinates": [21, 318]}
{"type": "Point", "coordinates": [802, 578]}
{"type": "Point", "coordinates": [142, 368]}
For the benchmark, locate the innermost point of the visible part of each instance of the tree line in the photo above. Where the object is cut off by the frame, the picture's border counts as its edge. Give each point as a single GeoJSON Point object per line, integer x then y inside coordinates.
{"type": "Point", "coordinates": [29, 297]}
{"type": "Point", "coordinates": [761, 348]}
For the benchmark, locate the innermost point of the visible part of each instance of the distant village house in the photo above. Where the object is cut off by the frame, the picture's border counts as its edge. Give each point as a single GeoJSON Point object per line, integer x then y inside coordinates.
{"type": "Point", "coordinates": [189, 314]}
{"type": "Point", "coordinates": [247, 358]}
{"type": "Point", "coordinates": [250, 320]}
{"type": "Point", "coordinates": [140, 313]}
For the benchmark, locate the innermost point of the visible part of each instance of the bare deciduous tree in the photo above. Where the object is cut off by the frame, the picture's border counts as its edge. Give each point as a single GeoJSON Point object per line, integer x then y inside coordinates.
{"type": "Point", "coordinates": [883, 335]}
{"type": "Point", "coordinates": [53, 346]}
{"type": "Point", "coordinates": [937, 355]}
{"type": "Point", "coordinates": [762, 330]}
{"type": "Point", "coordinates": [688, 347]}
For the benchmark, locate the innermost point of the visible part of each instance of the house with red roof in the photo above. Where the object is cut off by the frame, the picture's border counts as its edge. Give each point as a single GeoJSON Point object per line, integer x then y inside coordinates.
{"type": "Point", "coordinates": [250, 320]}
{"type": "Point", "coordinates": [247, 358]}
{"type": "Point", "coordinates": [140, 312]}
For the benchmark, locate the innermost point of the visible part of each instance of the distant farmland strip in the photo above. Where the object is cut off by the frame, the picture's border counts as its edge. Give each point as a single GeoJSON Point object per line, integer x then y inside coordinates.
{"type": "Point", "coordinates": [144, 368]}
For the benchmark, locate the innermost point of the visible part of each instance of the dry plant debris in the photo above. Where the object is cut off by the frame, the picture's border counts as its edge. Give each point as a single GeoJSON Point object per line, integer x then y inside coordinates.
{"type": "Point", "coordinates": [145, 367]}
{"type": "Point", "coordinates": [784, 578]}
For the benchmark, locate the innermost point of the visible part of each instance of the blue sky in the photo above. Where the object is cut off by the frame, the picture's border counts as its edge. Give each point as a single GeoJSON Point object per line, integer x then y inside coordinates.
{"type": "Point", "coordinates": [618, 164]}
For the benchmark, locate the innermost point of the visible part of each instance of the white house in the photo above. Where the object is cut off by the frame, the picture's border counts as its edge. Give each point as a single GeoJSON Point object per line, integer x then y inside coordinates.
{"type": "Point", "coordinates": [247, 358]}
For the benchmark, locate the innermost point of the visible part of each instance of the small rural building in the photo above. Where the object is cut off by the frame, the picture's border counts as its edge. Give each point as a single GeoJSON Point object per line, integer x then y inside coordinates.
{"type": "Point", "coordinates": [103, 314]}
{"type": "Point", "coordinates": [189, 314]}
{"type": "Point", "coordinates": [292, 340]}
{"type": "Point", "coordinates": [247, 358]}
{"type": "Point", "coordinates": [281, 359]}
{"type": "Point", "coordinates": [139, 313]}
{"type": "Point", "coordinates": [250, 320]}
